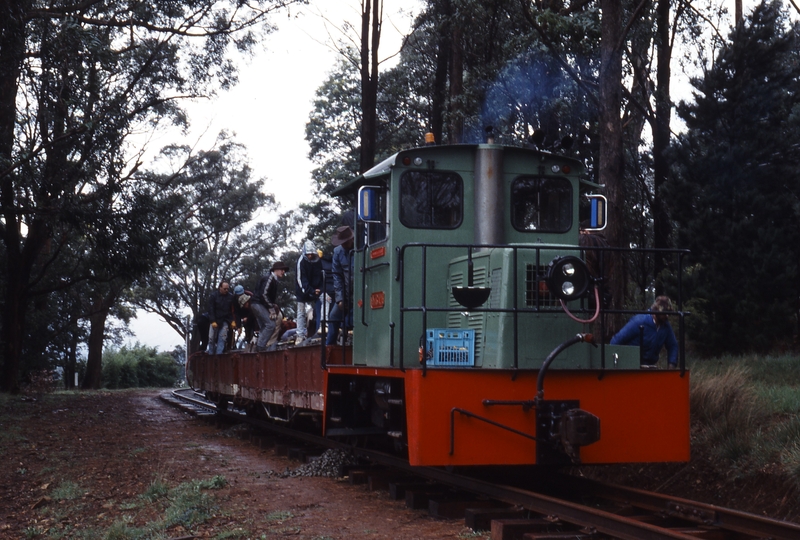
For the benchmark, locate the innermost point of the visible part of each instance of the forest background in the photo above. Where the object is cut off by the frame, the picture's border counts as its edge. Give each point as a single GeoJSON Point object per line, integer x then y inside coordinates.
{"type": "Point", "coordinates": [94, 228]}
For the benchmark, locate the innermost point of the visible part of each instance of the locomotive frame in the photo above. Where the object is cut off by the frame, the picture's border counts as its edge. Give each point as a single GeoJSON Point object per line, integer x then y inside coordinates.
{"type": "Point", "coordinates": [467, 346]}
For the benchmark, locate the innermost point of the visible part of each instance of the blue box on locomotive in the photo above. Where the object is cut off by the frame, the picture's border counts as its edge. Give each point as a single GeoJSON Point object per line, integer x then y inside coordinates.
{"type": "Point", "coordinates": [450, 347]}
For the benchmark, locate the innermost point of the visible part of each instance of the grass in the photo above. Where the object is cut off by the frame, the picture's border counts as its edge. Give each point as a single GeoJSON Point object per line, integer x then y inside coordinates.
{"type": "Point", "coordinates": [279, 516]}
{"type": "Point", "coordinates": [746, 411]}
{"type": "Point", "coordinates": [188, 505]}
{"type": "Point", "coordinates": [67, 491]}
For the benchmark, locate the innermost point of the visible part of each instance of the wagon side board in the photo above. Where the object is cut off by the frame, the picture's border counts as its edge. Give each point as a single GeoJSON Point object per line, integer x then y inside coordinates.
{"type": "Point", "coordinates": [290, 377]}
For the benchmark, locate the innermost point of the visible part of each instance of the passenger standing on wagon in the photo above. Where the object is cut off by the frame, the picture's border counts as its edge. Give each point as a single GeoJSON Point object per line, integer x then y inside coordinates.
{"type": "Point", "coordinates": [244, 315]}
{"type": "Point", "coordinates": [220, 313]}
{"type": "Point", "coordinates": [308, 286]}
{"type": "Point", "coordinates": [264, 305]}
{"type": "Point", "coordinates": [342, 283]}
{"type": "Point", "coordinates": [326, 300]}
{"type": "Point", "coordinates": [651, 331]}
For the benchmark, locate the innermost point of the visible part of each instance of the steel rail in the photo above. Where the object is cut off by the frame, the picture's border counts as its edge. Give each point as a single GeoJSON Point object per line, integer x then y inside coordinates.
{"type": "Point", "coordinates": [588, 518]}
{"type": "Point", "coordinates": [696, 512]}
{"type": "Point", "coordinates": [200, 402]}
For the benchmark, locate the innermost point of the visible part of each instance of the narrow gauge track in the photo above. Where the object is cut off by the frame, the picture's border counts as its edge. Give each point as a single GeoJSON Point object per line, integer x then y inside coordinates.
{"type": "Point", "coordinates": [612, 511]}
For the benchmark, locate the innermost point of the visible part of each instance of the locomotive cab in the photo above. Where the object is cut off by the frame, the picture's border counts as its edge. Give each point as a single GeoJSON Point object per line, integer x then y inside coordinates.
{"type": "Point", "coordinates": [474, 223]}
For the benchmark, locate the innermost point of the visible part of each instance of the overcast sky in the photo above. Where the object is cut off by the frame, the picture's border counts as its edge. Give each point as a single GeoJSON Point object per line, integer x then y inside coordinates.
{"type": "Point", "coordinates": [268, 110]}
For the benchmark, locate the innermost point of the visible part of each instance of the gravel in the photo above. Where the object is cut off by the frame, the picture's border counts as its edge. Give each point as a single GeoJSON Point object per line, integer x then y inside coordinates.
{"type": "Point", "coordinates": [329, 464]}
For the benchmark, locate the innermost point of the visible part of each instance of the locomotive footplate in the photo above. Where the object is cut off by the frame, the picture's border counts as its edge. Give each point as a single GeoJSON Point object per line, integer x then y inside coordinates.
{"type": "Point", "coordinates": [567, 427]}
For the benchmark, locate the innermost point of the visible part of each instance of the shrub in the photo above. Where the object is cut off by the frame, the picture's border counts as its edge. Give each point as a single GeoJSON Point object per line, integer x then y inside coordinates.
{"type": "Point", "coordinates": [727, 410]}
{"type": "Point", "coordinates": [746, 413]}
{"type": "Point", "coordinates": [137, 367]}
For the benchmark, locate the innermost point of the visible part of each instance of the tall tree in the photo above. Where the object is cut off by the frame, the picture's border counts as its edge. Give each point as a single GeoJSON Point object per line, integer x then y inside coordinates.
{"type": "Point", "coordinates": [661, 137]}
{"type": "Point", "coordinates": [212, 203]}
{"type": "Point", "coordinates": [734, 195]}
{"type": "Point", "coordinates": [371, 22]}
{"type": "Point", "coordinates": [76, 81]}
{"type": "Point", "coordinates": [610, 133]}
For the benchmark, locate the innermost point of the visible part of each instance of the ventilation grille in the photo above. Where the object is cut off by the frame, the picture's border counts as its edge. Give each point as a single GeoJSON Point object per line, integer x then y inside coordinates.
{"type": "Point", "coordinates": [536, 293]}
{"type": "Point", "coordinates": [475, 321]}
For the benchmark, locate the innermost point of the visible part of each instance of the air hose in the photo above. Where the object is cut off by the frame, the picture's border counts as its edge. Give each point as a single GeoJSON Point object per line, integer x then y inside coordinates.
{"type": "Point", "coordinates": [579, 338]}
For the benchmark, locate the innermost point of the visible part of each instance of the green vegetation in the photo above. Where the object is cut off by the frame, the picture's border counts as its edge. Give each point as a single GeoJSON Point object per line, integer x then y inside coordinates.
{"type": "Point", "coordinates": [728, 195]}
{"type": "Point", "coordinates": [67, 491]}
{"type": "Point", "coordinates": [157, 490]}
{"type": "Point", "coordinates": [746, 413]}
{"type": "Point", "coordinates": [139, 366]}
{"type": "Point", "coordinates": [279, 516]}
{"type": "Point", "coordinates": [188, 505]}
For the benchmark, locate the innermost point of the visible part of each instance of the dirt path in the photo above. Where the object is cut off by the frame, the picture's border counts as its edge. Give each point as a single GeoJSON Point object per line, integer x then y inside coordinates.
{"type": "Point", "coordinates": [126, 465]}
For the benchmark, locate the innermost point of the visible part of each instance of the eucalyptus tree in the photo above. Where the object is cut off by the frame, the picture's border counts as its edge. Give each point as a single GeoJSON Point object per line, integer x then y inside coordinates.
{"type": "Point", "coordinates": [212, 200]}
{"type": "Point", "coordinates": [77, 82]}
{"type": "Point", "coordinates": [334, 131]}
{"type": "Point", "coordinates": [735, 196]}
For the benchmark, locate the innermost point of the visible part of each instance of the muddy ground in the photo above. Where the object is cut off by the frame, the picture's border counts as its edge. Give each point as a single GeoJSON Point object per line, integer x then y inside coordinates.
{"type": "Point", "coordinates": [125, 465]}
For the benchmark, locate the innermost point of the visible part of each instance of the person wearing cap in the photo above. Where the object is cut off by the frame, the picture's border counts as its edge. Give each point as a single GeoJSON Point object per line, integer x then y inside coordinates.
{"type": "Point", "coordinates": [220, 313]}
{"type": "Point", "coordinates": [308, 286]}
{"type": "Point", "coordinates": [264, 305]}
{"type": "Point", "coordinates": [245, 319]}
{"type": "Point", "coordinates": [342, 311]}
{"type": "Point", "coordinates": [651, 331]}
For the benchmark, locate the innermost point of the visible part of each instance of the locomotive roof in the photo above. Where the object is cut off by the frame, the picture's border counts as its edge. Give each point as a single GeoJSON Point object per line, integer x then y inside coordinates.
{"type": "Point", "coordinates": [385, 166]}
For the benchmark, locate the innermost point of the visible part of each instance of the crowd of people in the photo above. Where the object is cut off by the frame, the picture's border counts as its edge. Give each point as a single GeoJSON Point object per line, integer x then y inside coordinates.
{"type": "Point", "coordinates": [323, 291]}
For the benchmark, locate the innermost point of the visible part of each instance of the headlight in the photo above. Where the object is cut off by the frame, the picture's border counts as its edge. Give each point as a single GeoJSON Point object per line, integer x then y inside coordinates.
{"type": "Point", "coordinates": [568, 278]}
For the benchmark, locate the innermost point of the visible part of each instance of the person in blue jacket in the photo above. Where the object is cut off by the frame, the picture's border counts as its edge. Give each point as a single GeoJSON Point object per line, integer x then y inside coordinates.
{"type": "Point", "coordinates": [651, 331]}
{"type": "Point", "coordinates": [341, 315]}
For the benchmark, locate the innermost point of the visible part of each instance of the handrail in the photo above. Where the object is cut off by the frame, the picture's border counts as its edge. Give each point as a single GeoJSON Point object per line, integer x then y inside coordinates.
{"type": "Point", "coordinates": [515, 310]}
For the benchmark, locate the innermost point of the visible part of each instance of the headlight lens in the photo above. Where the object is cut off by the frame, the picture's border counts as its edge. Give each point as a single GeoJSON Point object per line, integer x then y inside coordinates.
{"type": "Point", "coordinates": [568, 277]}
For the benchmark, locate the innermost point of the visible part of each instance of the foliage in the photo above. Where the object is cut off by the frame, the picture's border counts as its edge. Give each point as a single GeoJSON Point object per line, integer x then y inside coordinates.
{"type": "Point", "coordinates": [186, 505]}
{"type": "Point", "coordinates": [210, 237]}
{"type": "Point", "coordinates": [738, 420]}
{"type": "Point", "coordinates": [78, 84]}
{"type": "Point", "coordinates": [333, 134]}
{"type": "Point", "coordinates": [139, 366]}
{"type": "Point", "coordinates": [733, 198]}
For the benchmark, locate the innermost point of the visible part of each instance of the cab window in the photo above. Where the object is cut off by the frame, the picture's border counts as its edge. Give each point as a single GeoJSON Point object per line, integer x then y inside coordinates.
{"type": "Point", "coordinates": [541, 204]}
{"type": "Point", "coordinates": [376, 229]}
{"type": "Point", "coordinates": [431, 200]}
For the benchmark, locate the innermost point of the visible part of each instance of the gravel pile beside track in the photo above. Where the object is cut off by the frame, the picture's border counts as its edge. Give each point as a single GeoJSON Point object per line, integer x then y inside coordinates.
{"type": "Point", "coordinates": [329, 464]}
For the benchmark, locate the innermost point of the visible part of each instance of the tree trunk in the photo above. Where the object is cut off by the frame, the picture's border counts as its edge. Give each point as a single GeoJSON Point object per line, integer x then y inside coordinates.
{"type": "Point", "coordinates": [12, 53]}
{"type": "Point", "coordinates": [371, 16]}
{"type": "Point", "coordinates": [611, 158]}
{"type": "Point", "coordinates": [93, 379]}
{"type": "Point", "coordinates": [13, 314]}
{"type": "Point", "coordinates": [71, 367]}
{"type": "Point", "coordinates": [439, 99]}
{"type": "Point", "coordinates": [661, 139]}
{"type": "Point", "coordinates": [456, 124]}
